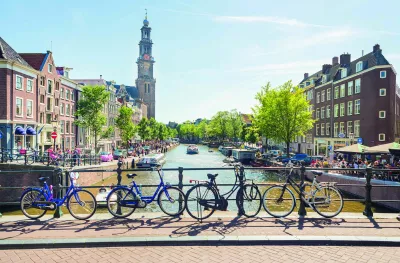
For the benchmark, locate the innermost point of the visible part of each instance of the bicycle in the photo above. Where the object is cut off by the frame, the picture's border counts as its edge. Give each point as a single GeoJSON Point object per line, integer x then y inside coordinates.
{"type": "Point", "coordinates": [206, 197]}
{"type": "Point", "coordinates": [279, 201]}
{"type": "Point", "coordinates": [122, 201]}
{"type": "Point", "coordinates": [35, 201]}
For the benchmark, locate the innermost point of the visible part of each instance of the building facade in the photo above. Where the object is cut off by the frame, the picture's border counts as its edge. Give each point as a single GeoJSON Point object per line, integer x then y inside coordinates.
{"type": "Point", "coordinates": [352, 102]}
{"type": "Point", "coordinates": [146, 83]}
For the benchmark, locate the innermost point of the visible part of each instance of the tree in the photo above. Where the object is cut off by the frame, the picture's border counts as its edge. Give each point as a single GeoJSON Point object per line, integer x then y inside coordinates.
{"type": "Point", "coordinates": [125, 124]}
{"type": "Point", "coordinates": [144, 129]}
{"type": "Point", "coordinates": [252, 135]}
{"type": "Point", "coordinates": [153, 125]}
{"type": "Point", "coordinates": [201, 129]}
{"type": "Point", "coordinates": [236, 123]}
{"type": "Point", "coordinates": [89, 110]}
{"type": "Point", "coordinates": [283, 112]}
{"type": "Point", "coordinates": [219, 125]}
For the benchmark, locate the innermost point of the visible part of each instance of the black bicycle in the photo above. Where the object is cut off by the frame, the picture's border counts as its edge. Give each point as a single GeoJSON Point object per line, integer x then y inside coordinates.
{"type": "Point", "coordinates": [204, 198]}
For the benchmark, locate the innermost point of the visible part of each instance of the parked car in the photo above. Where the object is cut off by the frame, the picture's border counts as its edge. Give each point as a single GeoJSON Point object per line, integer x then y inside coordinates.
{"type": "Point", "coordinates": [298, 157]}
{"type": "Point", "coordinates": [118, 153]}
{"type": "Point", "coordinates": [131, 151]}
{"type": "Point", "coordinates": [308, 159]}
{"type": "Point", "coordinates": [106, 156]}
{"type": "Point", "coordinates": [274, 153]}
{"type": "Point", "coordinates": [284, 158]}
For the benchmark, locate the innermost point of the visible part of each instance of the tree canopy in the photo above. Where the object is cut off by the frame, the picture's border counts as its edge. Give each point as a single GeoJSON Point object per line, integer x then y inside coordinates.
{"type": "Point", "coordinates": [125, 125]}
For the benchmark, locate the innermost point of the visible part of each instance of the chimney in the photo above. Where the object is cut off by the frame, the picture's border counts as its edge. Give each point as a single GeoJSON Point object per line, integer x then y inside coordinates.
{"type": "Point", "coordinates": [305, 75]}
{"type": "Point", "coordinates": [377, 48]}
{"type": "Point", "coordinates": [345, 59]}
{"type": "Point", "coordinates": [335, 61]}
{"type": "Point", "coordinates": [101, 76]}
{"type": "Point", "coordinates": [325, 67]}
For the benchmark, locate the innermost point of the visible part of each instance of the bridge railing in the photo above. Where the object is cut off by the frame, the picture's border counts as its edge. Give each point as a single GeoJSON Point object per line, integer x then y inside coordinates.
{"type": "Point", "coordinates": [60, 181]}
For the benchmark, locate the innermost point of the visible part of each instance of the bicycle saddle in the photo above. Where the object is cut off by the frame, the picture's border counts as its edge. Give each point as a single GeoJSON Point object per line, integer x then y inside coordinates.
{"type": "Point", "coordinates": [43, 179]}
{"type": "Point", "coordinates": [317, 173]}
{"type": "Point", "coordinates": [212, 176]}
{"type": "Point", "coordinates": [131, 175]}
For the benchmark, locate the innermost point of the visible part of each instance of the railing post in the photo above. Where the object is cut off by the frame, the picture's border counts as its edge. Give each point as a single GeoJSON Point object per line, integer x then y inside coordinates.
{"type": "Point", "coordinates": [119, 178]}
{"type": "Point", "coordinates": [2, 155]}
{"type": "Point", "coordinates": [180, 186]}
{"type": "Point", "coordinates": [368, 211]}
{"type": "Point", "coordinates": [25, 158]}
{"type": "Point", "coordinates": [241, 188]}
{"type": "Point", "coordinates": [58, 213]}
{"type": "Point", "coordinates": [302, 207]}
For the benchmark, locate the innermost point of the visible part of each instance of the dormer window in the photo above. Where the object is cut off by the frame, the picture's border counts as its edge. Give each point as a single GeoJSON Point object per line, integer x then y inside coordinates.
{"type": "Point", "coordinates": [343, 73]}
{"type": "Point", "coordinates": [359, 66]}
{"type": "Point", "coordinates": [323, 80]}
{"type": "Point", "coordinates": [307, 83]}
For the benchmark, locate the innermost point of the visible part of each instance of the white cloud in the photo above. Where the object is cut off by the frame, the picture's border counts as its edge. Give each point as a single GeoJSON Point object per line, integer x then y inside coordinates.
{"type": "Point", "coordinates": [392, 56]}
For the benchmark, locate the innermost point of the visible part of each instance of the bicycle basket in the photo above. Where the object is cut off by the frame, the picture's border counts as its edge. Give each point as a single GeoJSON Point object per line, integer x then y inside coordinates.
{"type": "Point", "coordinates": [74, 175]}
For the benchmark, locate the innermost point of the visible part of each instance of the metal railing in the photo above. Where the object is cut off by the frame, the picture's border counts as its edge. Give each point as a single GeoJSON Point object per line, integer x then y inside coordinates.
{"type": "Point", "coordinates": [60, 181]}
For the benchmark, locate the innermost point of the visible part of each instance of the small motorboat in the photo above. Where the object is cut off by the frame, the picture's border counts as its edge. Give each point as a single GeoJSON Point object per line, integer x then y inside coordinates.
{"type": "Point", "coordinates": [101, 197]}
{"type": "Point", "coordinates": [210, 151]}
{"type": "Point", "coordinates": [229, 160]}
{"type": "Point", "coordinates": [192, 149]}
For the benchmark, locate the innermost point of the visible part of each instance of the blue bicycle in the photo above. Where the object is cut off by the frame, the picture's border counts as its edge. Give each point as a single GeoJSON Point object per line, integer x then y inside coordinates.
{"type": "Point", "coordinates": [122, 201]}
{"type": "Point", "coordinates": [35, 201]}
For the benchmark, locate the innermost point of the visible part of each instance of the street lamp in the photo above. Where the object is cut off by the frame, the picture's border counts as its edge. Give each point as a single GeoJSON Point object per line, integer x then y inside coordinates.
{"type": "Point", "coordinates": [351, 136]}
{"type": "Point", "coordinates": [54, 123]}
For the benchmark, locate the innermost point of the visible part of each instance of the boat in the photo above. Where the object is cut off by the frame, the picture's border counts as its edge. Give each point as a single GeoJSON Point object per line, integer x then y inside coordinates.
{"type": "Point", "coordinates": [210, 151]}
{"type": "Point", "coordinates": [258, 163]}
{"type": "Point", "coordinates": [229, 160]}
{"type": "Point", "coordinates": [192, 149]}
{"type": "Point", "coordinates": [101, 197]}
{"type": "Point", "coordinates": [243, 155]}
{"type": "Point", "coordinates": [151, 160]}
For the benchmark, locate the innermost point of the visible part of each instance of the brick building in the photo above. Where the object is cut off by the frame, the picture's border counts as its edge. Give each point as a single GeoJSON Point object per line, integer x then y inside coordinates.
{"type": "Point", "coordinates": [18, 95]}
{"type": "Point", "coordinates": [352, 101]}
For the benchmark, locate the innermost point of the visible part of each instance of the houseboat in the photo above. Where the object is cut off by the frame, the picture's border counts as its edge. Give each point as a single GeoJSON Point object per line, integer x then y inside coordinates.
{"type": "Point", "coordinates": [192, 149]}
{"type": "Point", "coordinates": [151, 160]}
{"type": "Point", "coordinates": [244, 156]}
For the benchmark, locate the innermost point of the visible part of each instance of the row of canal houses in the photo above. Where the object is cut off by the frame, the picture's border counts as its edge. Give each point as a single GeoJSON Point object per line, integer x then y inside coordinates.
{"type": "Point", "coordinates": [37, 97]}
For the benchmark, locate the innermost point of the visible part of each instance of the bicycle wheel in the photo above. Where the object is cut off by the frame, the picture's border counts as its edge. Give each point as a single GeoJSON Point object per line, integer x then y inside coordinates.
{"type": "Point", "coordinates": [196, 197]}
{"type": "Point", "coordinates": [26, 204]}
{"type": "Point", "coordinates": [81, 204]}
{"type": "Point", "coordinates": [251, 200]}
{"type": "Point", "coordinates": [278, 201]}
{"type": "Point", "coordinates": [113, 202]}
{"type": "Point", "coordinates": [175, 204]}
{"type": "Point", "coordinates": [327, 201]}
{"type": "Point", "coordinates": [19, 158]}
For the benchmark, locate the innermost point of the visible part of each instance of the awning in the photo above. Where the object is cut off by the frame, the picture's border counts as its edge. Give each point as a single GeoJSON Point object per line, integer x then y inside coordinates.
{"type": "Point", "coordinates": [355, 148]}
{"type": "Point", "coordinates": [384, 148]}
{"type": "Point", "coordinates": [30, 131]}
{"type": "Point", "coordinates": [20, 131]}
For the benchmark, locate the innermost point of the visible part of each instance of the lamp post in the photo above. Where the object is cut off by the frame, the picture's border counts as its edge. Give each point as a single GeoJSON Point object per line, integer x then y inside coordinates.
{"type": "Point", "coordinates": [351, 136]}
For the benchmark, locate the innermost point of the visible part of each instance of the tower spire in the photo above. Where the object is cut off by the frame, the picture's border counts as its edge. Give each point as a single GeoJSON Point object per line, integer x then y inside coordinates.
{"type": "Point", "coordinates": [146, 14]}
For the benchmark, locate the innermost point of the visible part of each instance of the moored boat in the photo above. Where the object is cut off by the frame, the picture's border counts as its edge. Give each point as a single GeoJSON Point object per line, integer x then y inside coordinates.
{"type": "Point", "coordinates": [192, 149]}
{"type": "Point", "coordinates": [243, 156]}
{"type": "Point", "coordinates": [151, 160]}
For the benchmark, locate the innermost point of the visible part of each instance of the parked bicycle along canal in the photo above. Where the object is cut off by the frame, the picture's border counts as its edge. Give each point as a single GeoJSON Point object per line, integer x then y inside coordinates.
{"type": "Point", "coordinates": [178, 158]}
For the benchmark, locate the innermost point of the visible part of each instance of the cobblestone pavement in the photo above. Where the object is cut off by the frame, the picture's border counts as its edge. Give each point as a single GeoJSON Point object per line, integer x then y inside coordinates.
{"type": "Point", "coordinates": [229, 254]}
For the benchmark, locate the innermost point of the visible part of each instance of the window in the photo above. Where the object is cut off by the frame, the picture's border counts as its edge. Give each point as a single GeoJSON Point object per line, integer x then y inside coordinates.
{"type": "Point", "coordinates": [322, 129]}
{"type": "Point", "coordinates": [336, 110]}
{"type": "Point", "coordinates": [49, 86]}
{"type": "Point", "coordinates": [349, 128]}
{"type": "Point", "coordinates": [19, 83]}
{"type": "Point", "coordinates": [62, 93]}
{"type": "Point", "coordinates": [62, 124]}
{"type": "Point", "coordinates": [328, 111]}
{"type": "Point", "coordinates": [382, 92]}
{"type": "Point", "coordinates": [336, 92]}
{"type": "Point", "coordinates": [67, 110]}
{"type": "Point", "coordinates": [29, 85]}
{"type": "Point", "coordinates": [18, 103]}
{"type": "Point", "coordinates": [318, 97]}
{"type": "Point", "coordinates": [67, 74]}
{"type": "Point", "coordinates": [322, 112]}
{"type": "Point", "coordinates": [56, 103]}
{"type": "Point", "coordinates": [29, 108]}
{"type": "Point", "coordinates": [48, 118]}
{"type": "Point", "coordinates": [343, 73]}
{"type": "Point", "coordinates": [381, 137]}
{"type": "Point", "coordinates": [323, 96]}
{"type": "Point", "coordinates": [50, 68]}
{"type": "Point", "coordinates": [62, 108]}
{"type": "Point", "coordinates": [357, 107]}
{"type": "Point", "coordinates": [67, 127]}
{"type": "Point", "coordinates": [342, 90]}
{"type": "Point", "coordinates": [358, 86]}
{"type": "Point", "coordinates": [382, 114]}
{"type": "Point", "coordinates": [41, 117]}
{"type": "Point", "coordinates": [49, 105]}
{"type": "Point", "coordinates": [328, 128]}
{"type": "Point", "coordinates": [341, 109]}
{"type": "Point", "coordinates": [328, 94]}
{"type": "Point", "coordinates": [359, 66]}
{"type": "Point", "coordinates": [349, 108]}
{"type": "Point", "coordinates": [311, 94]}
{"type": "Point", "coordinates": [397, 109]}
{"type": "Point", "coordinates": [317, 112]}
{"type": "Point", "coordinates": [341, 129]}
{"type": "Point", "coordinates": [42, 99]}
{"type": "Point", "coordinates": [72, 96]}
{"type": "Point", "coordinates": [335, 129]}
{"type": "Point", "coordinates": [357, 129]}
{"type": "Point", "coordinates": [67, 94]}
{"type": "Point", "coordinates": [316, 129]}
{"type": "Point", "coordinates": [57, 85]}
{"type": "Point", "coordinates": [382, 74]}
{"type": "Point", "coordinates": [42, 81]}
{"type": "Point", "coordinates": [323, 80]}
{"type": "Point", "coordinates": [350, 88]}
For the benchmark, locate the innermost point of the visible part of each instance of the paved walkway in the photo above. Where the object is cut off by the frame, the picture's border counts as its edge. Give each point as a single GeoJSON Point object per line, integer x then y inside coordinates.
{"type": "Point", "coordinates": [202, 254]}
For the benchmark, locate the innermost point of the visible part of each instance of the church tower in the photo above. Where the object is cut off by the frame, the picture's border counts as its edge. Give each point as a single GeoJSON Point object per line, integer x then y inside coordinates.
{"type": "Point", "coordinates": [145, 83]}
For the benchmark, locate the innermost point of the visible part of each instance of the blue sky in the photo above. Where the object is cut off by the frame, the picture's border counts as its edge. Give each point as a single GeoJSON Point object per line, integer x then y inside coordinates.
{"type": "Point", "coordinates": [210, 55]}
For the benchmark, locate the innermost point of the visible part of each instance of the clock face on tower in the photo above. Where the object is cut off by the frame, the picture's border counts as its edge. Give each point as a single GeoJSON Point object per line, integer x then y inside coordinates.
{"type": "Point", "coordinates": [146, 56]}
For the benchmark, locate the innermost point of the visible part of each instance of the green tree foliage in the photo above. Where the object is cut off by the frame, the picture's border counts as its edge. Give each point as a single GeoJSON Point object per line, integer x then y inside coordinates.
{"type": "Point", "coordinates": [252, 135]}
{"type": "Point", "coordinates": [226, 125]}
{"type": "Point", "coordinates": [153, 125]}
{"type": "Point", "coordinates": [236, 123]}
{"type": "Point", "coordinates": [89, 112]}
{"type": "Point", "coordinates": [125, 124]}
{"type": "Point", "coordinates": [282, 113]}
{"type": "Point", "coordinates": [144, 129]}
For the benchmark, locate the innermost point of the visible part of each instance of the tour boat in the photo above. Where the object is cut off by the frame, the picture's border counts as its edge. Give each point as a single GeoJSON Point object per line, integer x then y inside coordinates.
{"type": "Point", "coordinates": [151, 160]}
{"type": "Point", "coordinates": [192, 149]}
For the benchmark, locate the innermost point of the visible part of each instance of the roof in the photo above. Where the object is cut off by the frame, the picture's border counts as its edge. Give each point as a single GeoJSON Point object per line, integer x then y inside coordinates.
{"type": "Point", "coordinates": [35, 60]}
{"type": "Point", "coordinates": [246, 118]}
{"type": "Point", "coordinates": [90, 81]}
{"type": "Point", "coordinates": [369, 60]}
{"type": "Point", "coordinates": [131, 90]}
{"type": "Point", "coordinates": [8, 53]}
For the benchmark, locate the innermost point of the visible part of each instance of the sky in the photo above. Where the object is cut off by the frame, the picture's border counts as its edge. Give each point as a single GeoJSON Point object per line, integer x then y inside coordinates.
{"type": "Point", "coordinates": [210, 55]}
